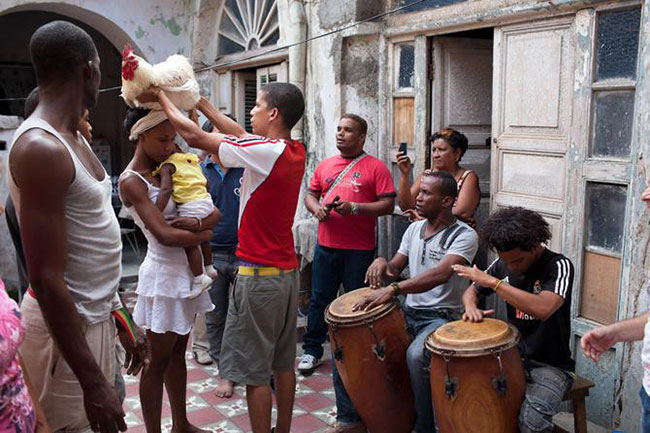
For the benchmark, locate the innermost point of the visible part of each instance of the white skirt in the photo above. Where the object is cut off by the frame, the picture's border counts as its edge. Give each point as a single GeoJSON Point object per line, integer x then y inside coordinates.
{"type": "Point", "coordinates": [164, 284]}
{"type": "Point", "coordinates": [162, 314]}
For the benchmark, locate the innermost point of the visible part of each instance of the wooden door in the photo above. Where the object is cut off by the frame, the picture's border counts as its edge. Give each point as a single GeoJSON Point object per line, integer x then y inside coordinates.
{"type": "Point", "coordinates": [531, 119]}
{"type": "Point", "coordinates": [462, 100]}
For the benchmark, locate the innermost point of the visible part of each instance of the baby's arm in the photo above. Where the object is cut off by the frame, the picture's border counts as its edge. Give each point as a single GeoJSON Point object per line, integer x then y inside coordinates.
{"type": "Point", "coordinates": [165, 173]}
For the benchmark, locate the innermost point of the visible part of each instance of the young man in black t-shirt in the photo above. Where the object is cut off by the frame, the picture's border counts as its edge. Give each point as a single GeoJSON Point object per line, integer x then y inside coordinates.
{"type": "Point", "coordinates": [536, 284]}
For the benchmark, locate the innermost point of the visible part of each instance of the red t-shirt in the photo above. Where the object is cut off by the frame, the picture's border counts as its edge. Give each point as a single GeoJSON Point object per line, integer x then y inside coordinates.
{"type": "Point", "coordinates": [368, 181]}
{"type": "Point", "coordinates": [269, 196]}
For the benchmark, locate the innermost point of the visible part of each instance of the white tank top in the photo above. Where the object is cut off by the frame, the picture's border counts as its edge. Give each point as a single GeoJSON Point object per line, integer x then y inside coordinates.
{"type": "Point", "coordinates": [94, 250]}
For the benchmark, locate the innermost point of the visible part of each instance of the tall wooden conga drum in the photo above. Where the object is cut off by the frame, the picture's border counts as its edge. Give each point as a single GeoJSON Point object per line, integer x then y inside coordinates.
{"type": "Point", "coordinates": [477, 377]}
{"type": "Point", "coordinates": [369, 349]}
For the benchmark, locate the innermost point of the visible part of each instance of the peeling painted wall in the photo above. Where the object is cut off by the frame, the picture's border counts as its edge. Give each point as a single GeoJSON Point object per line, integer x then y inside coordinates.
{"type": "Point", "coordinates": [157, 28]}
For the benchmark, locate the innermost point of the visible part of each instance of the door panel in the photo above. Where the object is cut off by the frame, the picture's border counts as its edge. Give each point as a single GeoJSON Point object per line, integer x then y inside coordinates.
{"type": "Point", "coordinates": [533, 67]}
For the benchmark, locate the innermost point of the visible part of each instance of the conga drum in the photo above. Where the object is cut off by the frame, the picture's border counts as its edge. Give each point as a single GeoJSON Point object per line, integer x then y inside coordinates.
{"type": "Point", "coordinates": [369, 349]}
{"type": "Point", "coordinates": [477, 377]}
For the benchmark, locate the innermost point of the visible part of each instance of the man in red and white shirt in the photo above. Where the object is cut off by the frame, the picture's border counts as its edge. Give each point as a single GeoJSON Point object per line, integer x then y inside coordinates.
{"type": "Point", "coordinates": [347, 193]}
{"type": "Point", "coordinates": [260, 334]}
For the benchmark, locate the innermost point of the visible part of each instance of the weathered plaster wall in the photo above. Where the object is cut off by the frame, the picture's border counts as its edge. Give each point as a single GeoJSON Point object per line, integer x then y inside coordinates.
{"type": "Point", "coordinates": [157, 28]}
{"type": "Point", "coordinates": [359, 83]}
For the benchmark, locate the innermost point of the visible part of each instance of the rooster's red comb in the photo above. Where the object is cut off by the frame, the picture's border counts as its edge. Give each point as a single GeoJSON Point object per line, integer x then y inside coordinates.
{"type": "Point", "coordinates": [127, 51]}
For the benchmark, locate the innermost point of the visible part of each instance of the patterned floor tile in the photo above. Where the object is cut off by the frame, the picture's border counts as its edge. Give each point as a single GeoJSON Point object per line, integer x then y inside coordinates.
{"type": "Point", "coordinates": [313, 410]}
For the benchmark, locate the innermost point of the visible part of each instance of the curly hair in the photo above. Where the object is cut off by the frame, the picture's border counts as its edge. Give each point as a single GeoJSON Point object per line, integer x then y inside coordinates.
{"type": "Point", "coordinates": [454, 138]}
{"type": "Point", "coordinates": [510, 228]}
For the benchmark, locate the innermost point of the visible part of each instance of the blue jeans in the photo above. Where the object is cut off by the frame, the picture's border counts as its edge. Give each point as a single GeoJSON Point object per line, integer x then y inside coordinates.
{"type": "Point", "coordinates": [331, 268]}
{"type": "Point", "coordinates": [422, 323]}
{"type": "Point", "coordinates": [645, 411]}
{"type": "Point", "coordinates": [225, 262]}
{"type": "Point", "coordinates": [544, 391]}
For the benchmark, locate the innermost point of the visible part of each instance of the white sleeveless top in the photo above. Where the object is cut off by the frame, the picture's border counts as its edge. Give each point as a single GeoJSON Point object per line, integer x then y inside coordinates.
{"type": "Point", "coordinates": [94, 250]}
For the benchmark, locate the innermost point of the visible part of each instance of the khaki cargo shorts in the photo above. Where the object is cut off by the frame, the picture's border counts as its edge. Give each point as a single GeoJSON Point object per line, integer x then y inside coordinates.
{"type": "Point", "coordinates": [260, 332]}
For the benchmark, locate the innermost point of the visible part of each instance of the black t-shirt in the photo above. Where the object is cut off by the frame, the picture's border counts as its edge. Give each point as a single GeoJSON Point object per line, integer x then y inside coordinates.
{"type": "Point", "coordinates": [542, 341]}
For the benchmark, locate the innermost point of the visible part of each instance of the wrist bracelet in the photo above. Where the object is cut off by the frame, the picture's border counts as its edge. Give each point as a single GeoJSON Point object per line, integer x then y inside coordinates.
{"type": "Point", "coordinates": [123, 317]}
{"type": "Point", "coordinates": [396, 289]}
{"type": "Point", "coordinates": [496, 286]}
{"type": "Point", "coordinates": [200, 223]}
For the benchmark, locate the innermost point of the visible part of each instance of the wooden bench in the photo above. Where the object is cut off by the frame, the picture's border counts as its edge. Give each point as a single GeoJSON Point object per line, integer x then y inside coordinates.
{"type": "Point", "coordinates": [577, 394]}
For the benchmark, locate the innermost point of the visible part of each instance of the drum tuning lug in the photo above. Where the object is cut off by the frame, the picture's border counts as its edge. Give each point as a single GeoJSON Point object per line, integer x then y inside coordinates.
{"type": "Point", "coordinates": [338, 354]}
{"type": "Point", "coordinates": [379, 350]}
{"type": "Point", "coordinates": [500, 384]}
{"type": "Point", "coordinates": [451, 386]}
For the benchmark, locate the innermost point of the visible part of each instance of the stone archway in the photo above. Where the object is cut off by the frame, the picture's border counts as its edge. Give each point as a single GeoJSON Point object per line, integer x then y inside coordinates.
{"type": "Point", "coordinates": [21, 21]}
{"type": "Point", "coordinates": [109, 29]}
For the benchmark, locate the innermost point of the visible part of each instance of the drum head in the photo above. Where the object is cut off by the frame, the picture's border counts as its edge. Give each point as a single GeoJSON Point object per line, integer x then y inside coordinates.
{"type": "Point", "coordinates": [473, 339]}
{"type": "Point", "coordinates": [339, 312]}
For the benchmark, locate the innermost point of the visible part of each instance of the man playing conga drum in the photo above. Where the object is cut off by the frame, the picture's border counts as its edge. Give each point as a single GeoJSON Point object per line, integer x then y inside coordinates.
{"type": "Point", "coordinates": [433, 293]}
{"type": "Point", "coordinates": [536, 284]}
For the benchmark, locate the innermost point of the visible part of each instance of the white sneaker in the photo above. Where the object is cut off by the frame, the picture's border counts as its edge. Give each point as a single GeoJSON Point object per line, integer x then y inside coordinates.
{"type": "Point", "coordinates": [200, 284]}
{"type": "Point", "coordinates": [308, 364]}
{"type": "Point", "coordinates": [210, 271]}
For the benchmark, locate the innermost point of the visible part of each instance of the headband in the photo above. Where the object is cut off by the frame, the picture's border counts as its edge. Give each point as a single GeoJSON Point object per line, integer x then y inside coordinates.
{"type": "Point", "coordinates": [151, 120]}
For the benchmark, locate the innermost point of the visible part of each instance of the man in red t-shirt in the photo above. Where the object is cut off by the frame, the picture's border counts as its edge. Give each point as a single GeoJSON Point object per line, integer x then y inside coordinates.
{"type": "Point", "coordinates": [260, 334]}
{"type": "Point", "coordinates": [347, 193]}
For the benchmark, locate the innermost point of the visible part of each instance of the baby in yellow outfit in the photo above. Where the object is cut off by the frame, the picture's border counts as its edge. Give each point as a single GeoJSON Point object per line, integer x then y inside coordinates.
{"type": "Point", "coordinates": [182, 180]}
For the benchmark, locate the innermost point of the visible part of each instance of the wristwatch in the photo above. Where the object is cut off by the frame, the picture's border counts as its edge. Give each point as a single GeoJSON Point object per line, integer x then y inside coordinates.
{"type": "Point", "coordinates": [355, 208]}
{"type": "Point", "coordinates": [396, 289]}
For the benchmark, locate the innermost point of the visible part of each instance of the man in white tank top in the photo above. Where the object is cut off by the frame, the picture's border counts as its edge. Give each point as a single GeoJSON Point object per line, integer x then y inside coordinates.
{"type": "Point", "coordinates": [597, 341]}
{"type": "Point", "coordinates": [71, 240]}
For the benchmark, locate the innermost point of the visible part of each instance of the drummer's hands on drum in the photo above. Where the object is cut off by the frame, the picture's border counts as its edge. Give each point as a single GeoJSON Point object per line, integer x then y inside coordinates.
{"type": "Point", "coordinates": [475, 275]}
{"type": "Point", "coordinates": [376, 272]}
{"type": "Point", "coordinates": [376, 298]}
{"type": "Point", "coordinates": [473, 314]}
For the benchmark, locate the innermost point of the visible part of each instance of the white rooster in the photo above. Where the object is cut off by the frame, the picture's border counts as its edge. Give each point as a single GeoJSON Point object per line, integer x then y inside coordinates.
{"type": "Point", "coordinates": [175, 76]}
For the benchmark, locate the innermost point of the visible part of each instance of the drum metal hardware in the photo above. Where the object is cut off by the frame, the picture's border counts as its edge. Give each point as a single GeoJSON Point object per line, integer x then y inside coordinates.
{"type": "Point", "coordinates": [500, 383]}
{"type": "Point", "coordinates": [378, 348]}
{"type": "Point", "coordinates": [338, 352]}
{"type": "Point", "coordinates": [451, 383]}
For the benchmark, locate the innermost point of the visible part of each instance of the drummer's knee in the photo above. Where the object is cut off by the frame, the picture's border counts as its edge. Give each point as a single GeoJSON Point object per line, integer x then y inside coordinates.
{"type": "Point", "coordinates": [536, 416]}
{"type": "Point", "coordinates": [415, 358]}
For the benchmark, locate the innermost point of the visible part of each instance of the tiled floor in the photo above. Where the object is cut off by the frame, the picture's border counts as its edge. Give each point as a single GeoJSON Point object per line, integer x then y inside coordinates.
{"type": "Point", "coordinates": [313, 411]}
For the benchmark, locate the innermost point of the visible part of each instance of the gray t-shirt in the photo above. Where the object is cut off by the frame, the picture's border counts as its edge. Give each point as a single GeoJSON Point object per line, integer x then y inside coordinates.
{"type": "Point", "coordinates": [424, 254]}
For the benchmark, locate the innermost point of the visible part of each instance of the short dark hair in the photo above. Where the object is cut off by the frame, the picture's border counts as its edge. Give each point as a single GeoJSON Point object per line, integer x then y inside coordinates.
{"type": "Point", "coordinates": [288, 99]}
{"type": "Point", "coordinates": [207, 126]}
{"type": "Point", "coordinates": [58, 48]}
{"type": "Point", "coordinates": [512, 228]}
{"type": "Point", "coordinates": [448, 185]}
{"type": "Point", "coordinates": [361, 122]}
{"type": "Point", "coordinates": [454, 138]}
{"type": "Point", "coordinates": [31, 102]}
{"type": "Point", "coordinates": [132, 116]}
